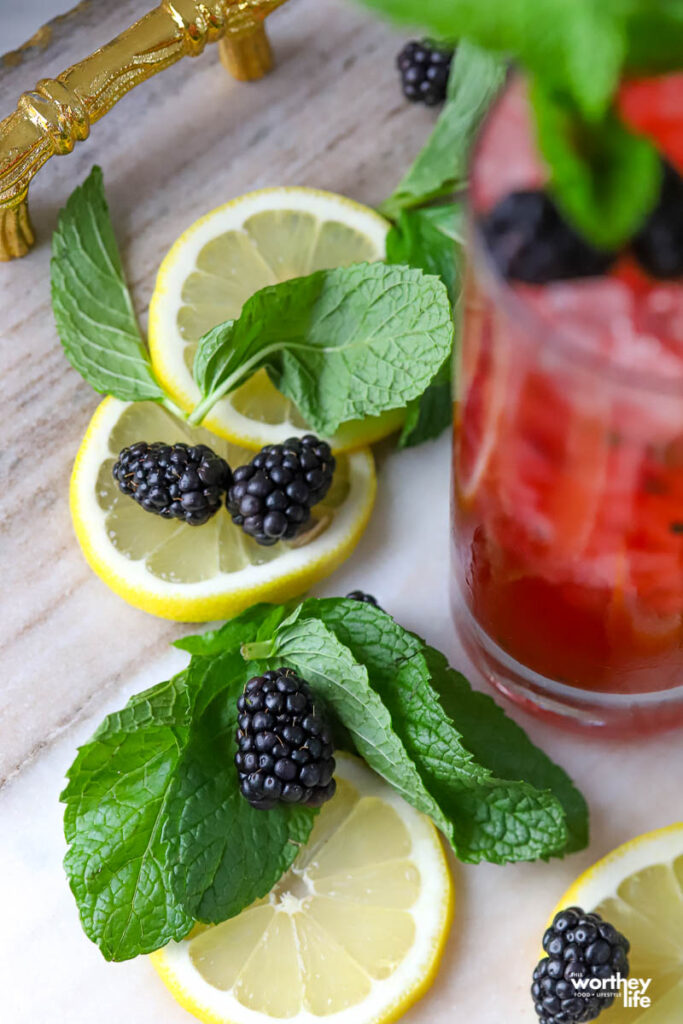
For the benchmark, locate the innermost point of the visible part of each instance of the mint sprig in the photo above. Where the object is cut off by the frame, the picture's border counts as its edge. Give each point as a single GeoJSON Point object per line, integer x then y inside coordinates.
{"type": "Point", "coordinates": [92, 306]}
{"type": "Point", "coordinates": [341, 344]}
{"type": "Point", "coordinates": [461, 741]}
{"type": "Point", "coordinates": [430, 239]}
{"type": "Point", "coordinates": [146, 801]}
{"type": "Point", "coordinates": [441, 166]}
{"type": "Point", "coordinates": [605, 179]}
{"type": "Point", "coordinates": [159, 835]}
{"type": "Point", "coordinates": [603, 176]}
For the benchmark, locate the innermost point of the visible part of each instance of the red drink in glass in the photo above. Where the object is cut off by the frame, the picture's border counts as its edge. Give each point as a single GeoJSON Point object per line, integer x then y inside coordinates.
{"type": "Point", "coordinates": [568, 460]}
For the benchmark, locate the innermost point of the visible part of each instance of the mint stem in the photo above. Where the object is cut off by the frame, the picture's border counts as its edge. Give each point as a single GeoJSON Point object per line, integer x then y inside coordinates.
{"type": "Point", "coordinates": [173, 408]}
{"type": "Point", "coordinates": [257, 651]}
{"type": "Point", "coordinates": [231, 382]}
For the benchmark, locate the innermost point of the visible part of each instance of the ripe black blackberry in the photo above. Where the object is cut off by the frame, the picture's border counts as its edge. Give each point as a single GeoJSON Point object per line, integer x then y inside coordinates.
{"type": "Point", "coordinates": [530, 241]}
{"type": "Point", "coordinates": [272, 496]}
{"type": "Point", "coordinates": [579, 946]}
{"type": "Point", "coordinates": [174, 481]}
{"type": "Point", "coordinates": [658, 246]}
{"type": "Point", "coordinates": [360, 595]}
{"type": "Point", "coordinates": [424, 66]}
{"type": "Point", "coordinates": [285, 750]}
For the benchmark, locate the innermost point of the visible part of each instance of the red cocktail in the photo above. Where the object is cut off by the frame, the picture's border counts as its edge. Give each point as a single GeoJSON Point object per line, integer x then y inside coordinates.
{"type": "Point", "coordinates": [568, 458]}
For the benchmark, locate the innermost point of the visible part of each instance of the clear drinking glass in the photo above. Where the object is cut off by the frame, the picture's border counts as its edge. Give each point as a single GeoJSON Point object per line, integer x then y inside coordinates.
{"type": "Point", "coordinates": [568, 468]}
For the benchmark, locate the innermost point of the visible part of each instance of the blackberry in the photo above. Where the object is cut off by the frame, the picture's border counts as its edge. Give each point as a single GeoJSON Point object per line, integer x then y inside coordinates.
{"type": "Point", "coordinates": [658, 246]}
{"type": "Point", "coordinates": [284, 743]}
{"type": "Point", "coordinates": [530, 241]}
{"type": "Point", "coordinates": [579, 946]}
{"type": "Point", "coordinates": [424, 66]}
{"type": "Point", "coordinates": [175, 481]}
{"type": "Point", "coordinates": [360, 595]}
{"type": "Point", "coordinates": [272, 496]}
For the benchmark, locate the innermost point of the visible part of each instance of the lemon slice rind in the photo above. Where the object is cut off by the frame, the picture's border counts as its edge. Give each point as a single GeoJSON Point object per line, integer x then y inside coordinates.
{"type": "Point", "coordinates": [389, 997]}
{"type": "Point", "coordinates": [279, 579]}
{"type": "Point", "coordinates": [602, 880]}
{"type": "Point", "coordinates": [620, 886]}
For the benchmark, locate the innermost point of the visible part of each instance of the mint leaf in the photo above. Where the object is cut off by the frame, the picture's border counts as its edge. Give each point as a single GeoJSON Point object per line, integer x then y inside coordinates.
{"type": "Point", "coordinates": [489, 818]}
{"type": "Point", "coordinates": [256, 623]}
{"type": "Point", "coordinates": [442, 164]}
{"type": "Point", "coordinates": [654, 31]}
{"type": "Point", "coordinates": [341, 344]}
{"type": "Point", "coordinates": [224, 854]}
{"type": "Point", "coordinates": [501, 744]}
{"type": "Point", "coordinates": [158, 834]}
{"type": "Point", "coordinates": [604, 178]}
{"type": "Point", "coordinates": [430, 414]}
{"type": "Point", "coordinates": [430, 240]}
{"type": "Point", "coordinates": [92, 306]}
{"type": "Point", "coordinates": [116, 801]}
{"type": "Point", "coordinates": [312, 650]}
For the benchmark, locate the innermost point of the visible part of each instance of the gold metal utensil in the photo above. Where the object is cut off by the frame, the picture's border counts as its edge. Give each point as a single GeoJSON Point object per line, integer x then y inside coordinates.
{"type": "Point", "coordinates": [58, 113]}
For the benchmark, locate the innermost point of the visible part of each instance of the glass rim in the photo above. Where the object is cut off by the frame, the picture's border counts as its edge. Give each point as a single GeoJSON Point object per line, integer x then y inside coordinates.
{"type": "Point", "coordinates": [541, 331]}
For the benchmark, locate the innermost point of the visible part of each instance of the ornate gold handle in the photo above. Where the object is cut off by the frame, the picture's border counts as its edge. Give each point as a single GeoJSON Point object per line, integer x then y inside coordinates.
{"type": "Point", "coordinates": [50, 120]}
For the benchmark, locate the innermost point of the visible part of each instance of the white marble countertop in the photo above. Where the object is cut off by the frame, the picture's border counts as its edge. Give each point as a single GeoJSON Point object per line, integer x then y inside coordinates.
{"type": "Point", "coordinates": [73, 651]}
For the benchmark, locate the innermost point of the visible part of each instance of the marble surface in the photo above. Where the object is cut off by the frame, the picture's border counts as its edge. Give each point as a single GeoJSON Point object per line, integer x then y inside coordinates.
{"type": "Point", "coordinates": [72, 651]}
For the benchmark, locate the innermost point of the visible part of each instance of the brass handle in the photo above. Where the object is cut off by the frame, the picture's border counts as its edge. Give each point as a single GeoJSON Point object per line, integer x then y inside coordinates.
{"type": "Point", "coordinates": [50, 120]}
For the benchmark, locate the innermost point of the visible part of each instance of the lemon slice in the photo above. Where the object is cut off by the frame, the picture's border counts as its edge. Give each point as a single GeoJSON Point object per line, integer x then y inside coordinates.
{"type": "Point", "coordinates": [639, 889]}
{"type": "Point", "coordinates": [353, 932]}
{"type": "Point", "coordinates": [199, 573]}
{"type": "Point", "coordinates": [256, 240]}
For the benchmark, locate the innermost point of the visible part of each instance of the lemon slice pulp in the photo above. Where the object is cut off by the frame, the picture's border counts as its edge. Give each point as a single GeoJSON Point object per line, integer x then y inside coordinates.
{"type": "Point", "coordinates": [258, 239]}
{"type": "Point", "coordinates": [638, 888]}
{"type": "Point", "coordinates": [199, 573]}
{"type": "Point", "coordinates": [353, 931]}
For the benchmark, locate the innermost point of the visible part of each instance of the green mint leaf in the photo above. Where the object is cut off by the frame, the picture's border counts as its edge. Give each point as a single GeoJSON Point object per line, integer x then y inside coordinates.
{"type": "Point", "coordinates": [442, 165]}
{"type": "Point", "coordinates": [430, 240]}
{"type": "Point", "coordinates": [92, 306]}
{"type": "Point", "coordinates": [430, 414]}
{"type": "Point", "coordinates": [256, 623]}
{"type": "Point", "coordinates": [115, 807]}
{"type": "Point", "coordinates": [312, 650]}
{"type": "Point", "coordinates": [654, 30]}
{"type": "Point", "coordinates": [577, 46]}
{"type": "Point", "coordinates": [501, 744]}
{"type": "Point", "coordinates": [224, 854]}
{"type": "Point", "coordinates": [604, 178]}
{"type": "Point", "coordinates": [489, 818]}
{"type": "Point", "coordinates": [158, 832]}
{"type": "Point", "coordinates": [341, 344]}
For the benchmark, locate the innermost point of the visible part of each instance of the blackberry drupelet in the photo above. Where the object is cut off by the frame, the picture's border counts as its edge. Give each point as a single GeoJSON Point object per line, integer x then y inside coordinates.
{"type": "Point", "coordinates": [579, 946]}
{"type": "Point", "coordinates": [424, 67]}
{"type": "Point", "coordinates": [531, 242]}
{"type": "Point", "coordinates": [272, 496]}
{"type": "Point", "coordinates": [658, 246]}
{"type": "Point", "coordinates": [174, 481]}
{"type": "Point", "coordinates": [285, 750]}
{"type": "Point", "coordinates": [360, 595]}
